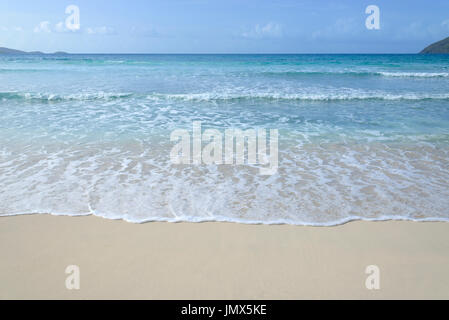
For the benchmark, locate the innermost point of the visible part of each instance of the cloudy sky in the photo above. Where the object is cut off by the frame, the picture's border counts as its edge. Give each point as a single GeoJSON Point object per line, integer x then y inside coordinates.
{"type": "Point", "coordinates": [226, 26]}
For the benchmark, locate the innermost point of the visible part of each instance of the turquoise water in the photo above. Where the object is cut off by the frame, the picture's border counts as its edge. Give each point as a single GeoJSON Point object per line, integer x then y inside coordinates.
{"type": "Point", "coordinates": [360, 136]}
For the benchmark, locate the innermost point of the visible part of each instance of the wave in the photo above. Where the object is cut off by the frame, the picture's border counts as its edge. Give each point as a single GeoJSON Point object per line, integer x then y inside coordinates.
{"type": "Point", "coordinates": [50, 97]}
{"type": "Point", "coordinates": [415, 74]}
{"type": "Point", "coordinates": [19, 70]}
{"type": "Point", "coordinates": [360, 74]}
{"type": "Point", "coordinates": [350, 96]}
{"type": "Point", "coordinates": [335, 223]}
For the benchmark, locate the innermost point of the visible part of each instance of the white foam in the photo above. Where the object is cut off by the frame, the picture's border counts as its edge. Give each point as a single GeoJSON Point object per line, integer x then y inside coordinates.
{"type": "Point", "coordinates": [415, 74]}
{"type": "Point", "coordinates": [320, 95]}
{"type": "Point", "coordinates": [318, 185]}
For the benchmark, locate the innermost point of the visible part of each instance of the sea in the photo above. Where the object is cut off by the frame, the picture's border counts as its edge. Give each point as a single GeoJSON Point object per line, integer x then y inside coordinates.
{"type": "Point", "coordinates": [360, 137]}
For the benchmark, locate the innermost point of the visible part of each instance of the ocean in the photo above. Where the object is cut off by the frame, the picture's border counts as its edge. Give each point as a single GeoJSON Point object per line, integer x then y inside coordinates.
{"type": "Point", "coordinates": [360, 137]}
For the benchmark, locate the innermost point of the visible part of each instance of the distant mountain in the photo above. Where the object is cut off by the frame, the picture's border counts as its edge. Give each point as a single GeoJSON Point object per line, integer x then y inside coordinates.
{"type": "Point", "coordinates": [10, 51]}
{"type": "Point", "coordinates": [438, 47]}
{"type": "Point", "coordinates": [13, 51]}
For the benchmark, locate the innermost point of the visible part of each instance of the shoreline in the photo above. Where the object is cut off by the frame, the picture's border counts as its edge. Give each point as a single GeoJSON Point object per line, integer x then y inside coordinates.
{"type": "Point", "coordinates": [342, 222]}
{"type": "Point", "coordinates": [216, 260]}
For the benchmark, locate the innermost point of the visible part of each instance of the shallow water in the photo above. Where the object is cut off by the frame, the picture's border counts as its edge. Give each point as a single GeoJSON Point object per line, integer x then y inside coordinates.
{"type": "Point", "coordinates": [360, 136]}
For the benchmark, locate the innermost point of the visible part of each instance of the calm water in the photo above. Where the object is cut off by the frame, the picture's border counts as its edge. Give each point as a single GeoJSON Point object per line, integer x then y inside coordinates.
{"type": "Point", "coordinates": [360, 136]}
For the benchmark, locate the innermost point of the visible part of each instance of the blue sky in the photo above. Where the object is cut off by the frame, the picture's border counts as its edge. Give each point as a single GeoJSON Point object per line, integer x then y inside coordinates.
{"type": "Point", "coordinates": [227, 26]}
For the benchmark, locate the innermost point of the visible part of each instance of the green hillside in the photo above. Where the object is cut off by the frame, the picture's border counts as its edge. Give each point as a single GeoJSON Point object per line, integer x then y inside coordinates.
{"type": "Point", "coordinates": [438, 47]}
{"type": "Point", "coordinates": [13, 51]}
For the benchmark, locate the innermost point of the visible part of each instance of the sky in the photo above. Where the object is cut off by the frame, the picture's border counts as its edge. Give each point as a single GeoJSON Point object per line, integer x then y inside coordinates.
{"type": "Point", "coordinates": [226, 26]}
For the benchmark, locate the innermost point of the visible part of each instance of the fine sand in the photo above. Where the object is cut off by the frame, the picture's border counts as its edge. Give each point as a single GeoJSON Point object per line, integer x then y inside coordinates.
{"type": "Point", "coordinates": [120, 260]}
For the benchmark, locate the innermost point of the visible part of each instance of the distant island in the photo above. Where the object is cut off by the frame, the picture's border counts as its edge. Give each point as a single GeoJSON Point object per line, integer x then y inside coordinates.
{"type": "Point", "coordinates": [438, 47]}
{"type": "Point", "coordinates": [13, 51]}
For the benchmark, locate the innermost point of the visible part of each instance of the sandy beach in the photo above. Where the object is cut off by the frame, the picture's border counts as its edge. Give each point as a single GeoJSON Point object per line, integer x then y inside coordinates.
{"type": "Point", "coordinates": [120, 260]}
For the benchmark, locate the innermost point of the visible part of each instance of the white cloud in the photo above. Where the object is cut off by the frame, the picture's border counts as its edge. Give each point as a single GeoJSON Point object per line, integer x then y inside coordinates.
{"type": "Point", "coordinates": [47, 27]}
{"type": "Point", "coordinates": [101, 30]}
{"type": "Point", "coordinates": [60, 27]}
{"type": "Point", "coordinates": [270, 30]}
{"type": "Point", "coordinates": [445, 23]}
{"type": "Point", "coordinates": [43, 27]}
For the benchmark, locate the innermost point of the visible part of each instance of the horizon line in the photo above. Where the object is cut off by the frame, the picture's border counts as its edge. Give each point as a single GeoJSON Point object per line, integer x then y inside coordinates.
{"type": "Point", "coordinates": [208, 53]}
